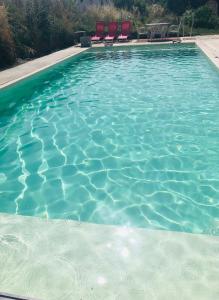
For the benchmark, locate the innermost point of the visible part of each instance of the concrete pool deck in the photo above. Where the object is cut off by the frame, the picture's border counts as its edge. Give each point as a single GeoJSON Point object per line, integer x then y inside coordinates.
{"type": "Point", "coordinates": [59, 259]}
{"type": "Point", "coordinates": [209, 45]}
{"type": "Point", "coordinates": [15, 74]}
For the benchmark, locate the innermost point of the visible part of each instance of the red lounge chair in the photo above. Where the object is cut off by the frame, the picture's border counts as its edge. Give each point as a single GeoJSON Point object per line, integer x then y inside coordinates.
{"type": "Point", "coordinates": [99, 32]}
{"type": "Point", "coordinates": [125, 31]}
{"type": "Point", "coordinates": [112, 30]}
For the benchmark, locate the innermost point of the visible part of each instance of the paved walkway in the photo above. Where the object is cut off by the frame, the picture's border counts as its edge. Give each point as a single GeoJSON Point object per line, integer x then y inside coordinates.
{"type": "Point", "coordinates": [210, 46]}
{"type": "Point", "coordinates": [17, 73]}
{"type": "Point", "coordinates": [57, 259]}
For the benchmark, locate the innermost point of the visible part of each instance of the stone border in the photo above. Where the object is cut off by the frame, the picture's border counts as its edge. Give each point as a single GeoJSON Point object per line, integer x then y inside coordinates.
{"type": "Point", "coordinates": [211, 50]}
{"type": "Point", "coordinates": [13, 75]}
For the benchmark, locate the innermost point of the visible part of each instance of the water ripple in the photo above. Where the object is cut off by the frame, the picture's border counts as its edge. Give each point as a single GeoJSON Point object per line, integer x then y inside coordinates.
{"type": "Point", "coordinates": [116, 136]}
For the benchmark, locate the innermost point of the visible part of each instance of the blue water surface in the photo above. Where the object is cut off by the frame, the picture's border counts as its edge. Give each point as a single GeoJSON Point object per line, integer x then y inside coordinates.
{"type": "Point", "coordinates": [125, 136]}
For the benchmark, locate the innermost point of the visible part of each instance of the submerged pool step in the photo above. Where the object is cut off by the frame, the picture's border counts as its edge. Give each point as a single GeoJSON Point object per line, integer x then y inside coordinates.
{"type": "Point", "coordinates": [4, 296]}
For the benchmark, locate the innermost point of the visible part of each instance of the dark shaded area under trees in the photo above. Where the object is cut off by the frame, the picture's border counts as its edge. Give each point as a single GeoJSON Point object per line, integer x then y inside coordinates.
{"type": "Point", "coordinates": [32, 28]}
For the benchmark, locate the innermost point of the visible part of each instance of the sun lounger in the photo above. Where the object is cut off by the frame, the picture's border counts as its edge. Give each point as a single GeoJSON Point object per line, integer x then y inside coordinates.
{"type": "Point", "coordinates": [112, 31]}
{"type": "Point", "coordinates": [125, 31]}
{"type": "Point", "coordinates": [99, 32]}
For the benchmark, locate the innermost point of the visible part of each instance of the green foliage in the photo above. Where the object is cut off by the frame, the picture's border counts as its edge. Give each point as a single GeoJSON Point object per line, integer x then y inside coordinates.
{"type": "Point", "coordinates": [197, 3]}
{"type": "Point", "coordinates": [156, 13]}
{"type": "Point", "coordinates": [180, 6]}
{"type": "Point", "coordinates": [104, 13]}
{"type": "Point", "coordinates": [141, 7]}
{"type": "Point", "coordinates": [206, 18]}
{"type": "Point", "coordinates": [31, 28]}
{"type": "Point", "coordinates": [177, 6]}
{"type": "Point", "coordinates": [18, 29]}
{"type": "Point", "coordinates": [7, 55]}
{"type": "Point", "coordinates": [39, 27]}
{"type": "Point", "coordinates": [127, 4]}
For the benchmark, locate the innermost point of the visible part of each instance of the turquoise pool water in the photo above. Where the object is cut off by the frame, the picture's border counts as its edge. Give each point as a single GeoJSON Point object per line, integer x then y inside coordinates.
{"type": "Point", "coordinates": [116, 136]}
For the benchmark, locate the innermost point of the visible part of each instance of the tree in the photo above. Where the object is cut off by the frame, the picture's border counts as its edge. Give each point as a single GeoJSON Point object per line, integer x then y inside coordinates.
{"type": "Point", "coordinates": [16, 18]}
{"type": "Point", "coordinates": [37, 21]}
{"type": "Point", "coordinates": [30, 28]}
{"type": "Point", "coordinates": [197, 3]}
{"type": "Point", "coordinates": [127, 4]}
{"type": "Point", "coordinates": [141, 7]}
{"type": "Point", "coordinates": [7, 56]}
{"type": "Point", "coordinates": [177, 6]}
{"type": "Point", "coordinates": [206, 18]}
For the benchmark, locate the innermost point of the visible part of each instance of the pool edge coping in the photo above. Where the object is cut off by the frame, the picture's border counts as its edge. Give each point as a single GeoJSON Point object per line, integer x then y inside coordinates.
{"type": "Point", "coordinates": [112, 227]}
{"type": "Point", "coordinates": [209, 51]}
{"type": "Point", "coordinates": [56, 61]}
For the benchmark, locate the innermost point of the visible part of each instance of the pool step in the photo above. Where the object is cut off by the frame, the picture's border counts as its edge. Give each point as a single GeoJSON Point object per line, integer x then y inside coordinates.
{"type": "Point", "coordinates": [6, 296]}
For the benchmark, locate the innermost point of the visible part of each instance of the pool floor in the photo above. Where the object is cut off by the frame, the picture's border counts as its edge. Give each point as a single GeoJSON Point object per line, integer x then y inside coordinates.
{"type": "Point", "coordinates": [126, 136]}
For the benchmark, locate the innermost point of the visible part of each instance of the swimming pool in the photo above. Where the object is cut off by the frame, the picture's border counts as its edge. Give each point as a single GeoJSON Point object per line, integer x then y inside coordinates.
{"type": "Point", "coordinates": [124, 136]}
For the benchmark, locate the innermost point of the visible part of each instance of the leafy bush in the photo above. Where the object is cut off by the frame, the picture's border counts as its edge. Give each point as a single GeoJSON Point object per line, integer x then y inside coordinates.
{"type": "Point", "coordinates": [178, 7]}
{"type": "Point", "coordinates": [30, 28]}
{"type": "Point", "coordinates": [141, 7]}
{"type": "Point", "coordinates": [156, 13]}
{"type": "Point", "coordinates": [206, 18]}
{"type": "Point", "coordinates": [7, 56]}
{"type": "Point", "coordinates": [126, 4]}
{"type": "Point", "coordinates": [197, 3]}
{"type": "Point", "coordinates": [104, 13]}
